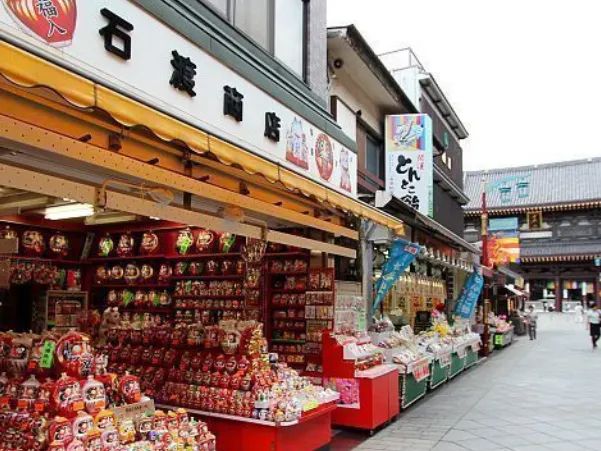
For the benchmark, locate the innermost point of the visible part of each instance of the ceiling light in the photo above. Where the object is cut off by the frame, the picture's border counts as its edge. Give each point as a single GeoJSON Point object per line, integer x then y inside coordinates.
{"type": "Point", "coordinates": [110, 217]}
{"type": "Point", "coordinates": [69, 211]}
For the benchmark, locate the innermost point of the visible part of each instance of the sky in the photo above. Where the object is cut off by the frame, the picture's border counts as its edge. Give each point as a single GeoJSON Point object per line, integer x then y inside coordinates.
{"type": "Point", "coordinates": [524, 76]}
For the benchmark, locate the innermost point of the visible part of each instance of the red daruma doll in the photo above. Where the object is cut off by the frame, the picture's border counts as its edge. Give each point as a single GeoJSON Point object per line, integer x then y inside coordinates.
{"type": "Point", "coordinates": [129, 386]}
{"type": "Point", "coordinates": [66, 396]}
{"type": "Point", "coordinates": [60, 431]}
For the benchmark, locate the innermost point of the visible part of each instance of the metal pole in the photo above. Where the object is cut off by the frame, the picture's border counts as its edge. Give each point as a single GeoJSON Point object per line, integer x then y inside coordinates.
{"type": "Point", "coordinates": [485, 262]}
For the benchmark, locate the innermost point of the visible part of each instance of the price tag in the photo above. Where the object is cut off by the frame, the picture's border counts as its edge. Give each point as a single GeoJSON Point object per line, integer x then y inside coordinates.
{"type": "Point", "coordinates": [499, 340]}
{"type": "Point", "coordinates": [47, 354]}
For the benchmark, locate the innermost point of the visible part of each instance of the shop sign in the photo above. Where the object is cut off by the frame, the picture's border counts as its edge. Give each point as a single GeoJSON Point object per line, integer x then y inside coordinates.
{"type": "Point", "coordinates": [118, 44]}
{"type": "Point", "coordinates": [421, 370]}
{"type": "Point", "coordinates": [408, 146]}
{"type": "Point", "coordinates": [134, 410]}
{"type": "Point", "coordinates": [466, 303]}
{"type": "Point", "coordinates": [401, 254]}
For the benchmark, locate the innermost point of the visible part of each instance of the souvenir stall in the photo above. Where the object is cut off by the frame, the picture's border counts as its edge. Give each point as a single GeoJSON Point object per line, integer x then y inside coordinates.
{"type": "Point", "coordinates": [400, 349]}
{"type": "Point", "coordinates": [56, 393]}
{"type": "Point", "coordinates": [466, 345]}
{"type": "Point", "coordinates": [354, 366]}
{"type": "Point", "coordinates": [501, 330]}
{"type": "Point", "coordinates": [438, 345]}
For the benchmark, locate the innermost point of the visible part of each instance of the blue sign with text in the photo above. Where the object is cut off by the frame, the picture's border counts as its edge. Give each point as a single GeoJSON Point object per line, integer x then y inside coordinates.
{"type": "Point", "coordinates": [466, 303]}
{"type": "Point", "coordinates": [402, 253]}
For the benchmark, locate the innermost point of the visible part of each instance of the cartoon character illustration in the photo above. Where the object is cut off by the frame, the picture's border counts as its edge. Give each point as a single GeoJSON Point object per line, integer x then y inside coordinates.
{"type": "Point", "coordinates": [345, 175]}
{"type": "Point", "coordinates": [296, 145]}
{"type": "Point", "coordinates": [407, 133]}
{"type": "Point", "coordinates": [324, 156]}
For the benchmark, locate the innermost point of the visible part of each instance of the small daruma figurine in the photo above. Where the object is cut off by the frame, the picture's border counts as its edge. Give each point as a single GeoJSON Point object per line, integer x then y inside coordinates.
{"type": "Point", "coordinates": [93, 394]}
{"type": "Point", "coordinates": [82, 424]}
{"type": "Point", "coordinates": [129, 386]}
{"type": "Point", "coordinates": [66, 396]}
{"type": "Point", "coordinates": [74, 354]}
{"type": "Point", "coordinates": [60, 431]}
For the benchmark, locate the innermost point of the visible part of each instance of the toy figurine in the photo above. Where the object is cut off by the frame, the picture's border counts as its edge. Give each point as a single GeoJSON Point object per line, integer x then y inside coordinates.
{"type": "Point", "coordinates": [59, 431]}
{"type": "Point", "coordinates": [82, 424]}
{"type": "Point", "coordinates": [105, 419]}
{"type": "Point", "coordinates": [127, 431]}
{"type": "Point", "coordinates": [149, 243]}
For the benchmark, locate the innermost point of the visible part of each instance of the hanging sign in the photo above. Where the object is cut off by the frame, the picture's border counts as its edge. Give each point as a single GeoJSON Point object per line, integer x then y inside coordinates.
{"type": "Point", "coordinates": [408, 146]}
{"type": "Point", "coordinates": [402, 253]}
{"type": "Point", "coordinates": [466, 304]}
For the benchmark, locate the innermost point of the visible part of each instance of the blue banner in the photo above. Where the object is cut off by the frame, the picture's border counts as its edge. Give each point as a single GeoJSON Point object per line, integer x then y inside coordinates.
{"type": "Point", "coordinates": [402, 253]}
{"type": "Point", "coordinates": [466, 303]}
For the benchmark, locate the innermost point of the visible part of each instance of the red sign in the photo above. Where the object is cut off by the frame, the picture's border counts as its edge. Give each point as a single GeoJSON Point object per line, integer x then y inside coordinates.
{"type": "Point", "coordinates": [52, 21]}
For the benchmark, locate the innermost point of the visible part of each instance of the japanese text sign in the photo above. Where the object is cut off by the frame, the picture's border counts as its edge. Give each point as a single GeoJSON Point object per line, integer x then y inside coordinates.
{"type": "Point", "coordinates": [466, 304]}
{"type": "Point", "coordinates": [409, 160]}
{"type": "Point", "coordinates": [402, 253]}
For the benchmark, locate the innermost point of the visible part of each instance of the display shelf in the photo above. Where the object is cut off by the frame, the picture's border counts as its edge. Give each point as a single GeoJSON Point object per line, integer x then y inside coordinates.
{"type": "Point", "coordinates": [291, 329]}
{"type": "Point", "coordinates": [209, 296]}
{"type": "Point", "coordinates": [229, 417]}
{"type": "Point", "coordinates": [56, 261]}
{"type": "Point", "coordinates": [214, 277]}
{"type": "Point", "coordinates": [288, 290]}
{"type": "Point", "coordinates": [127, 258]}
{"type": "Point", "coordinates": [112, 286]}
{"type": "Point", "coordinates": [201, 256]}
{"type": "Point", "coordinates": [167, 310]}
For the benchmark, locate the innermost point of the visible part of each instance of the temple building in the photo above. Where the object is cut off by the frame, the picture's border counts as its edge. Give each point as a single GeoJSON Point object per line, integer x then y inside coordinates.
{"type": "Point", "coordinates": [545, 222]}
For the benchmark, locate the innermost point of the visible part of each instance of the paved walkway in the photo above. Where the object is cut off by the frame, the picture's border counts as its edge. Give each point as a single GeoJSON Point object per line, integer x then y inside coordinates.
{"type": "Point", "coordinates": [534, 395]}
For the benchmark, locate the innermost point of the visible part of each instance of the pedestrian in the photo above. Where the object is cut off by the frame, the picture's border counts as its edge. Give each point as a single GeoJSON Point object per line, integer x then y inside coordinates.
{"type": "Point", "coordinates": [531, 318]}
{"type": "Point", "coordinates": [594, 321]}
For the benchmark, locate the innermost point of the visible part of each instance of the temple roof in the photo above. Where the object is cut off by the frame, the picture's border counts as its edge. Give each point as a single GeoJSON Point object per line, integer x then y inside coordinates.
{"type": "Point", "coordinates": [568, 182]}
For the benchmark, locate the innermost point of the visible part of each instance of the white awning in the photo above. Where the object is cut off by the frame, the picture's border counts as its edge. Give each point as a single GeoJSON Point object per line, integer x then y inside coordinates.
{"type": "Point", "coordinates": [516, 291]}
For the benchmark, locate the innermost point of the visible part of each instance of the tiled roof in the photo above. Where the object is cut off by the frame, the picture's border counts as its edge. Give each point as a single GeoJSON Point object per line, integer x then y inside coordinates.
{"type": "Point", "coordinates": [559, 249]}
{"type": "Point", "coordinates": [545, 184]}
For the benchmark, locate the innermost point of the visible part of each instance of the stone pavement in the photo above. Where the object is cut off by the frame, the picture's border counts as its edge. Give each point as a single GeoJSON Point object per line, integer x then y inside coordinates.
{"type": "Point", "coordinates": [532, 396]}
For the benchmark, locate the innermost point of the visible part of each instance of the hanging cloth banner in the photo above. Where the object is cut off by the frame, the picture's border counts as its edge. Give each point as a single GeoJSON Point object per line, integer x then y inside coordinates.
{"type": "Point", "coordinates": [402, 253]}
{"type": "Point", "coordinates": [466, 303]}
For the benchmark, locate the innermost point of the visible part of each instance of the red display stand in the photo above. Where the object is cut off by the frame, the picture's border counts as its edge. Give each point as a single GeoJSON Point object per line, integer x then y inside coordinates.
{"type": "Point", "coordinates": [378, 389]}
{"type": "Point", "coordinates": [311, 432]}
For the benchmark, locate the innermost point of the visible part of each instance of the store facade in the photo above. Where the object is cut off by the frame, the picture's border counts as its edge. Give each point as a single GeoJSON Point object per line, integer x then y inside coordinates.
{"type": "Point", "coordinates": [170, 197]}
{"type": "Point", "coordinates": [364, 97]}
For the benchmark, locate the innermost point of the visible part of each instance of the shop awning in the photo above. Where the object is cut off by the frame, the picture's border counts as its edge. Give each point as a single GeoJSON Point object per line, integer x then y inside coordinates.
{"type": "Point", "coordinates": [516, 291]}
{"type": "Point", "coordinates": [27, 70]}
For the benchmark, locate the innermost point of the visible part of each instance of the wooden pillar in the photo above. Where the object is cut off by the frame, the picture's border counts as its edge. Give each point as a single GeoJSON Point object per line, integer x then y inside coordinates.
{"type": "Point", "coordinates": [558, 293]}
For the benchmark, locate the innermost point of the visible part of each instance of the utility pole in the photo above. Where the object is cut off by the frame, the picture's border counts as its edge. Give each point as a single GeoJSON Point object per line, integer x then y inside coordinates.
{"type": "Point", "coordinates": [485, 262]}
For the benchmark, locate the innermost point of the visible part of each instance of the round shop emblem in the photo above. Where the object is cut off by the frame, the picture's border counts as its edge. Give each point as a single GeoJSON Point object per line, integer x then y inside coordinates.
{"type": "Point", "coordinates": [324, 156]}
{"type": "Point", "coordinates": [51, 21]}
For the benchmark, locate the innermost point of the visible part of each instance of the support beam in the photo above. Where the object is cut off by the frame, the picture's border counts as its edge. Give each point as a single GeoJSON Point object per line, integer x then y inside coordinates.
{"type": "Point", "coordinates": [15, 134]}
{"type": "Point", "coordinates": [36, 182]}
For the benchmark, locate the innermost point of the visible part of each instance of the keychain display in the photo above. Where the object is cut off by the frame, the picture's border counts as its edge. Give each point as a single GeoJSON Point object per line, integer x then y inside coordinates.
{"type": "Point", "coordinates": [184, 241]}
{"type": "Point", "coordinates": [33, 243]}
{"type": "Point", "coordinates": [58, 244]}
{"type": "Point", "coordinates": [125, 246]}
{"type": "Point", "coordinates": [204, 240]}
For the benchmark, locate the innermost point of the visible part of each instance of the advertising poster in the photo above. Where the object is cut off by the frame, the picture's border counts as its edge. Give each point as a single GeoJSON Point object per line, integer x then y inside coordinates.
{"type": "Point", "coordinates": [408, 145]}
{"type": "Point", "coordinates": [503, 241]}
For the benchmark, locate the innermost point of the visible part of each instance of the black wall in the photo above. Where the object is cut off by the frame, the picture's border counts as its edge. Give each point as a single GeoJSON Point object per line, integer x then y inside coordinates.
{"type": "Point", "coordinates": [447, 211]}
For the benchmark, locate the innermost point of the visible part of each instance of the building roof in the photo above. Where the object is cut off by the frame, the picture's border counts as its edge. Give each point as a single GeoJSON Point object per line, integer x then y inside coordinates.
{"type": "Point", "coordinates": [561, 249]}
{"type": "Point", "coordinates": [372, 65]}
{"type": "Point", "coordinates": [568, 182]}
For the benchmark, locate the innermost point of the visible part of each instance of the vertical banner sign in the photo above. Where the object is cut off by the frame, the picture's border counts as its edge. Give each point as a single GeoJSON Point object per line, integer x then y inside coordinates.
{"type": "Point", "coordinates": [503, 240]}
{"type": "Point", "coordinates": [466, 304]}
{"type": "Point", "coordinates": [402, 253]}
{"type": "Point", "coordinates": [408, 146]}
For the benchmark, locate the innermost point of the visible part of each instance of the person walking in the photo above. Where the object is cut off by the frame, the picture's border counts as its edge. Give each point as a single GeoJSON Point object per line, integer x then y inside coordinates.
{"type": "Point", "coordinates": [531, 318]}
{"type": "Point", "coordinates": [594, 321]}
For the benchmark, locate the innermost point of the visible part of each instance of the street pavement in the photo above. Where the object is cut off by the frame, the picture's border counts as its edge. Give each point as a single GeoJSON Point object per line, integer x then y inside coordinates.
{"type": "Point", "coordinates": [532, 396]}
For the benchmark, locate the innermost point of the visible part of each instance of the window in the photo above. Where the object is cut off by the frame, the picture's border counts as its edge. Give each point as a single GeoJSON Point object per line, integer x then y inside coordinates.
{"type": "Point", "coordinates": [276, 25]}
{"type": "Point", "coordinates": [374, 158]}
